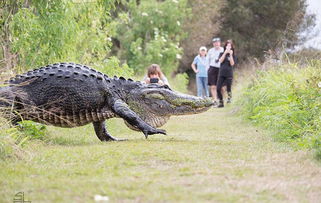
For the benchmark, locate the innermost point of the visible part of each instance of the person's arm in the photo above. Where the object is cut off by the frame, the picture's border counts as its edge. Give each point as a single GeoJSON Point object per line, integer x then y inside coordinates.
{"type": "Point", "coordinates": [232, 62]}
{"type": "Point", "coordinates": [222, 58]}
{"type": "Point", "coordinates": [208, 59]}
{"type": "Point", "coordinates": [164, 80]}
{"type": "Point", "coordinates": [194, 68]}
{"type": "Point", "coordinates": [147, 80]}
{"type": "Point", "coordinates": [193, 65]}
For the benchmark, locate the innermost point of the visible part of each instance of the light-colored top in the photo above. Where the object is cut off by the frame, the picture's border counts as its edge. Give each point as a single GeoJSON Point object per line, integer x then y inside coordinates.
{"type": "Point", "coordinates": [201, 64]}
{"type": "Point", "coordinates": [213, 57]}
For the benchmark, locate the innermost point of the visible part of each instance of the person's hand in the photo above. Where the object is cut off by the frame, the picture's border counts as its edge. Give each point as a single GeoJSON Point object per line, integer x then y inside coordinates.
{"type": "Point", "coordinates": [227, 50]}
{"type": "Point", "coordinates": [231, 52]}
{"type": "Point", "coordinates": [196, 71]}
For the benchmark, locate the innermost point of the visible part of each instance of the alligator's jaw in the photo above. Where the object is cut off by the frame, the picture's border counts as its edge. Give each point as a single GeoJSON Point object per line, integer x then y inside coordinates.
{"type": "Point", "coordinates": [187, 104]}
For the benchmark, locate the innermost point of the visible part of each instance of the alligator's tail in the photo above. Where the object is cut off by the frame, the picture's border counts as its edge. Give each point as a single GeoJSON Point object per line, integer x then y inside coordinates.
{"type": "Point", "coordinates": [6, 96]}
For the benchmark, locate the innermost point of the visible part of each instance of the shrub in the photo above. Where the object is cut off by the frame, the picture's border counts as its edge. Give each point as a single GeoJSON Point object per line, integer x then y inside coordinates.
{"type": "Point", "coordinates": [286, 99]}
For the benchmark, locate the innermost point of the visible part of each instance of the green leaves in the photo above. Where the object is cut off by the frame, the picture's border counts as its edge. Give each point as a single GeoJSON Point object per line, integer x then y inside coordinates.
{"type": "Point", "coordinates": [55, 31]}
{"type": "Point", "coordinates": [287, 100]}
{"type": "Point", "coordinates": [150, 33]}
{"type": "Point", "coordinates": [260, 26]}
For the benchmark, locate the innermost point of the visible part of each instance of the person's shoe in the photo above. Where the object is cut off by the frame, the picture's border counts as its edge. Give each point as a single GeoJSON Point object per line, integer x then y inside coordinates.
{"type": "Point", "coordinates": [221, 104]}
{"type": "Point", "coordinates": [229, 98]}
{"type": "Point", "coordinates": [215, 104]}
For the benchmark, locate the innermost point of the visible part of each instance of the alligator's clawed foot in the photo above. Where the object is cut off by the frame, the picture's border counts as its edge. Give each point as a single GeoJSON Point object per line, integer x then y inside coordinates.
{"type": "Point", "coordinates": [118, 140]}
{"type": "Point", "coordinates": [154, 131]}
{"type": "Point", "coordinates": [113, 139]}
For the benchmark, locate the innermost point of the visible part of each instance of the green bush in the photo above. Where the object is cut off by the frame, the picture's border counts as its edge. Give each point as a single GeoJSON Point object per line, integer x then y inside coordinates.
{"type": "Point", "coordinates": [13, 139]}
{"type": "Point", "coordinates": [150, 31]}
{"type": "Point", "coordinates": [287, 100]}
{"type": "Point", "coordinates": [58, 31]}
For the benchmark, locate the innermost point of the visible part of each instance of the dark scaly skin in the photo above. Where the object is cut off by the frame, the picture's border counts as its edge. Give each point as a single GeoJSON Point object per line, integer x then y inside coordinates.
{"type": "Point", "coordinates": [71, 95]}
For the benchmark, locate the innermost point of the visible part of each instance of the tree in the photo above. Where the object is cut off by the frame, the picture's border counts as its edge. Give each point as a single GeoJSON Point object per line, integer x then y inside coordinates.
{"type": "Point", "coordinates": [149, 32]}
{"type": "Point", "coordinates": [201, 27]}
{"type": "Point", "coordinates": [7, 10]}
{"type": "Point", "coordinates": [45, 32]}
{"type": "Point", "coordinates": [260, 26]}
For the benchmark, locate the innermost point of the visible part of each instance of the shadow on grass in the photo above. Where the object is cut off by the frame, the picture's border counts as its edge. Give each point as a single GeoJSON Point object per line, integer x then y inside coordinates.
{"type": "Point", "coordinates": [83, 141]}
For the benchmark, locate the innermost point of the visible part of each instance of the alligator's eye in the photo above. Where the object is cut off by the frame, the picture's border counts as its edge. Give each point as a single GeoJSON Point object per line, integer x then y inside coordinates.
{"type": "Point", "coordinates": [155, 96]}
{"type": "Point", "coordinates": [166, 87]}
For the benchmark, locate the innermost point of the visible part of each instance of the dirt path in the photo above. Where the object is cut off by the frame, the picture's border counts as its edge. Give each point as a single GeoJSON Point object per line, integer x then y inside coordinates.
{"type": "Point", "coordinates": [210, 157]}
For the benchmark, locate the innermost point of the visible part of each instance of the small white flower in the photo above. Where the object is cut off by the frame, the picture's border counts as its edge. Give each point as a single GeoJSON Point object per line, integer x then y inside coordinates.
{"type": "Point", "coordinates": [144, 14]}
{"type": "Point", "coordinates": [178, 23]}
{"type": "Point", "coordinates": [139, 48]}
{"type": "Point", "coordinates": [109, 38]}
{"type": "Point", "coordinates": [163, 38]}
{"type": "Point", "coordinates": [99, 198]}
{"type": "Point", "coordinates": [178, 56]}
{"type": "Point", "coordinates": [319, 84]}
{"type": "Point", "coordinates": [175, 1]}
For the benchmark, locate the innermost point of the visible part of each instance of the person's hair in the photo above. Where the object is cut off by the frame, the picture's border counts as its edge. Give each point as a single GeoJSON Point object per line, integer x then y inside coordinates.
{"type": "Point", "coordinates": [232, 45]}
{"type": "Point", "coordinates": [154, 69]}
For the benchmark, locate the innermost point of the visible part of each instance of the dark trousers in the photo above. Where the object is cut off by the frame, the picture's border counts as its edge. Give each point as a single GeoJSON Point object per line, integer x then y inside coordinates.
{"type": "Point", "coordinates": [223, 80]}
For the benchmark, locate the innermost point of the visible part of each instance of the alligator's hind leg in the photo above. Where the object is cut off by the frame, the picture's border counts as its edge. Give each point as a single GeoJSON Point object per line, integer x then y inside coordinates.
{"type": "Point", "coordinates": [102, 133]}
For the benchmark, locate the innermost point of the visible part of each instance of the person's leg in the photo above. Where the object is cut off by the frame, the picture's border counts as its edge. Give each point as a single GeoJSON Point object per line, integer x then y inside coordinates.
{"type": "Point", "coordinates": [199, 86]}
{"type": "Point", "coordinates": [220, 82]}
{"type": "Point", "coordinates": [204, 84]}
{"type": "Point", "coordinates": [206, 87]}
{"type": "Point", "coordinates": [213, 92]}
{"type": "Point", "coordinates": [215, 79]}
{"type": "Point", "coordinates": [229, 89]}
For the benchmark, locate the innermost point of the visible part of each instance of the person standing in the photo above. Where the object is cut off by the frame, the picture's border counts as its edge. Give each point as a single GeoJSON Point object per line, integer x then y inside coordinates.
{"type": "Point", "coordinates": [228, 60]}
{"type": "Point", "coordinates": [199, 66]}
{"type": "Point", "coordinates": [214, 66]}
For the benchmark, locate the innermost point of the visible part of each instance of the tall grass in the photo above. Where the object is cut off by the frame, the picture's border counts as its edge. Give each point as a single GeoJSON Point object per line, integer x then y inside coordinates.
{"type": "Point", "coordinates": [287, 100]}
{"type": "Point", "coordinates": [14, 138]}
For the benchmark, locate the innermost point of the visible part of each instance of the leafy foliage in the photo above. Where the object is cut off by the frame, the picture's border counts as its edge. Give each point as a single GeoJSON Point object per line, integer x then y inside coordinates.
{"type": "Point", "coordinates": [51, 31]}
{"type": "Point", "coordinates": [150, 32]}
{"type": "Point", "coordinates": [258, 26]}
{"type": "Point", "coordinates": [286, 99]}
{"type": "Point", "coordinates": [12, 139]}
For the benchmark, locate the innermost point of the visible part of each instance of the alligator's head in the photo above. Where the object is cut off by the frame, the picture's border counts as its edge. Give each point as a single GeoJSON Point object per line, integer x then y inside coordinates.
{"type": "Point", "coordinates": [155, 103]}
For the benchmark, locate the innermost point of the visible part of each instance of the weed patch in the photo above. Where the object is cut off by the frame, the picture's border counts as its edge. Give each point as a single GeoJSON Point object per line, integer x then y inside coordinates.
{"type": "Point", "coordinates": [286, 99]}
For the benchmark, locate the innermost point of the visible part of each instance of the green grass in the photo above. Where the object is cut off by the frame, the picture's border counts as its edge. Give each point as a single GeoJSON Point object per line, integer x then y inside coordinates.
{"type": "Point", "coordinates": [286, 100]}
{"type": "Point", "coordinates": [210, 157]}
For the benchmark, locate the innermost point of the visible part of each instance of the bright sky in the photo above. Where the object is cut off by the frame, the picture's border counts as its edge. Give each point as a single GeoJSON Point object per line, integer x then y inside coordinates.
{"type": "Point", "coordinates": [314, 6]}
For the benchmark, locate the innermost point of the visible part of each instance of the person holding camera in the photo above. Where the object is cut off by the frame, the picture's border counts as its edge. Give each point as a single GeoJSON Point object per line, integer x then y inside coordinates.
{"type": "Point", "coordinates": [213, 65]}
{"type": "Point", "coordinates": [228, 60]}
{"type": "Point", "coordinates": [155, 75]}
{"type": "Point", "coordinates": [199, 66]}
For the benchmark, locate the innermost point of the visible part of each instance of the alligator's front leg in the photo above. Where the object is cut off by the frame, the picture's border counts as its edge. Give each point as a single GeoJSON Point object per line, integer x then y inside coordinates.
{"type": "Point", "coordinates": [123, 111]}
{"type": "Point", "coordinates": [102, 133]}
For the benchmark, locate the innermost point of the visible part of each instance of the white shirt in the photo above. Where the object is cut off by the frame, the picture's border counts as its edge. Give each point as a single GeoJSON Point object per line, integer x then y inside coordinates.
{"type": "Point", "coordinates": [213, 57]}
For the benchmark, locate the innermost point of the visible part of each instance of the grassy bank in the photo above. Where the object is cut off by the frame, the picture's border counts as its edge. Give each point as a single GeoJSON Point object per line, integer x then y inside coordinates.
{"type": "Point", "coordinates": [286, 99]}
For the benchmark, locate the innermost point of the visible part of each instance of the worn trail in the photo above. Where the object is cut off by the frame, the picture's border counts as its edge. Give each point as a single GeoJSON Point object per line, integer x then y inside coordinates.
{"type": "Point", "coordinates": [210, 157]}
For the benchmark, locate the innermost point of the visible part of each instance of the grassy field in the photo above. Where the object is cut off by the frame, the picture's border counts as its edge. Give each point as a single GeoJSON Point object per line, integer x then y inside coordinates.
{"type": "Point", "coordinates": [210, 157]}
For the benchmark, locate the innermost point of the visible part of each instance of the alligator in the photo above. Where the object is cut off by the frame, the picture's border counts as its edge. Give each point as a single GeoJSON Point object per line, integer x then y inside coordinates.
{"type": "Point", "coordinates": [71, 95]}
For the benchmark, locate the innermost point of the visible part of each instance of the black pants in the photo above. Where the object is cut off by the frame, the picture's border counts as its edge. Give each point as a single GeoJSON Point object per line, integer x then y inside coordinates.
{"type": "Point", "coordinates": [223, 80]}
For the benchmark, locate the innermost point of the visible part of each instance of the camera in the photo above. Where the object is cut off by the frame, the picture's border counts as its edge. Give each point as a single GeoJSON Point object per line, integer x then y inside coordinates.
{"type": "Point", "coordinates": [154, 80]}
